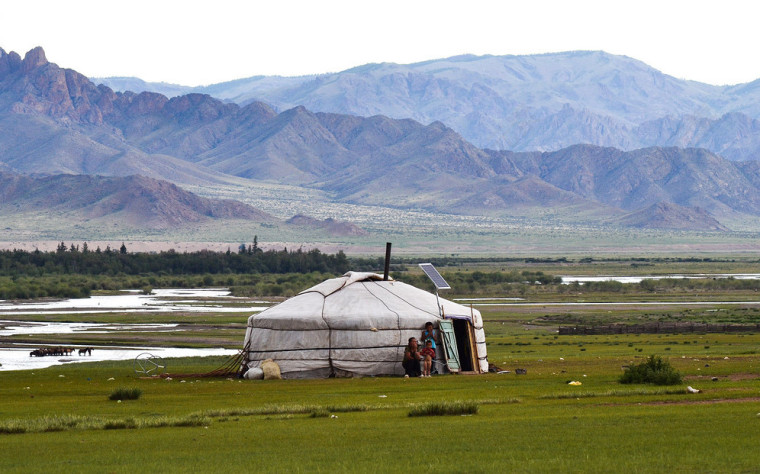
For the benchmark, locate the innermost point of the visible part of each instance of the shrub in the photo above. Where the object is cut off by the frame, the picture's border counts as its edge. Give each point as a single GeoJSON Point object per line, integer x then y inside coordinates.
{"type": "Point", "coordinates": [125, 394]}
{"type": "Point", "coordinates": [654, 370]}
{"type": "Point", "coordinates": [445, 408]}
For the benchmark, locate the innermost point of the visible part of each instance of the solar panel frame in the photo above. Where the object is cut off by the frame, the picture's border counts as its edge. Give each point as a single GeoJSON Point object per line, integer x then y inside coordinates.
{"type": "Point", "coordinates": [434, 276]}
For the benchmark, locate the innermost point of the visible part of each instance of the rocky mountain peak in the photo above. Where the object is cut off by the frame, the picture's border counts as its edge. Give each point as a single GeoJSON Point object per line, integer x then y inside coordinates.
{"type": "Point", "coordinates": [9, 62]}
{"type": "Point", "coordinates": [33, 59]}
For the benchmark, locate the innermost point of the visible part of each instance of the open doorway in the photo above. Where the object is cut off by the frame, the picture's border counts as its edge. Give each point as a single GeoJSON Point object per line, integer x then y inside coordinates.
{"type": "Point", "coordinates": [462, 332]}
{"type": "Point", "coordinates": [459, 344]}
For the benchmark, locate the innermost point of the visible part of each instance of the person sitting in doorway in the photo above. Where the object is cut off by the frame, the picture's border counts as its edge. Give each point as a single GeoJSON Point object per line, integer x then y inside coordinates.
{"type": "Point", "coordinates": [428, 355]}
{"type": "Point", "coordinates": [411, 361]}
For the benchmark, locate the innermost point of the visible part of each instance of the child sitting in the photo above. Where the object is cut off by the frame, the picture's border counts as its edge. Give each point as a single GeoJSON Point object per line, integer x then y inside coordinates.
{"type": "Point", "coordinates": [428, 354]}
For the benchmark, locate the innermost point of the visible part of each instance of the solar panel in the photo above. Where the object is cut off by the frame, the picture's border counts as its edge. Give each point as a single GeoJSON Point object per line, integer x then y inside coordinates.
{"type": "Point", "coordinates": [434, 276]}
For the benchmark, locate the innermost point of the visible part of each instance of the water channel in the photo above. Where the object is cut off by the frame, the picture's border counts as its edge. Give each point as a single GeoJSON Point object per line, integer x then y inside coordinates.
{"type": "Point", "coordinates": [567, 279]}
{"type": "Point", "coordinates": [132, 301]}
{"type": "Point", "coordinates": [16, 356]}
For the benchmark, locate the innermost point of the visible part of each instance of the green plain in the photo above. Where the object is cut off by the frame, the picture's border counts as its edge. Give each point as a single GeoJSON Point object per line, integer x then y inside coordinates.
{"type": "Point", "coordinates": [524, 423]}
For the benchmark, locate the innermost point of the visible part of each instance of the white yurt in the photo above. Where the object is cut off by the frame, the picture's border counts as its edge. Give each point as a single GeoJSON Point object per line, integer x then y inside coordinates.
{"type": "Point", "coordinates": [359, 325]}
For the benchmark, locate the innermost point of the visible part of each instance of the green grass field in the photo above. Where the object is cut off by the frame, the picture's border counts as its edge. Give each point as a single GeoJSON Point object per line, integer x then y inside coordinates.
{"type": "Point", "coordinates": [532, 422]}
{"type": "Point", "coordinates": [61, 418]}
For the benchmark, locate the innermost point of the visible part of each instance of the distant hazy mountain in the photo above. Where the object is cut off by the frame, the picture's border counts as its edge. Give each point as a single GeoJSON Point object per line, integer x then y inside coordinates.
{"type": "Point", "coordinates": [330, 225]}
{"type": "Point", "coordinates": [691, 177]}
{"type": "Point", "coordinates": [664, 215]}
{"type": "Point", "coordinates": [523, 103]}
{"type": "Point", "coordinates": [135, 200]}
{"type": "Point", "coordinates": [135, 84]}
{"type": "Point", "coordinates": [56, 121]}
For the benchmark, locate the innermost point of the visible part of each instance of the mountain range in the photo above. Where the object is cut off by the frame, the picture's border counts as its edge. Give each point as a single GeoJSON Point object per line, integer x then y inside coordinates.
{"type": "Point", "coordinates": [56, 121]}
{"type": "Point", "coordinates": [521, 103]}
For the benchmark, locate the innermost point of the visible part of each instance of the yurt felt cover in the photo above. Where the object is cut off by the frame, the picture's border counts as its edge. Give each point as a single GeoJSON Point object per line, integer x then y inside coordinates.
{"type": "Point", "coordinates": [354, 325]}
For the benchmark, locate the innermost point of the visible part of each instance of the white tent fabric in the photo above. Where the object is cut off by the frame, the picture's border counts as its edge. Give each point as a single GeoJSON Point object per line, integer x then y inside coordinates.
{"type": "Point", "coordinates": [354, 325]}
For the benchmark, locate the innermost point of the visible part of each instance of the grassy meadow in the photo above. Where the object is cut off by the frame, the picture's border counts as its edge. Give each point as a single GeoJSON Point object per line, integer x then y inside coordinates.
{"type": "Point", "coordinates": [61, 417]}
{"type": "Point", "coordinates": [532, 422]}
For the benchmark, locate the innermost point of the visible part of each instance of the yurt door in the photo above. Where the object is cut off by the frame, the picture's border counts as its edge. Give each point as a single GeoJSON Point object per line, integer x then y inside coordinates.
{"type": "Point", "coordinates": [446, 327]}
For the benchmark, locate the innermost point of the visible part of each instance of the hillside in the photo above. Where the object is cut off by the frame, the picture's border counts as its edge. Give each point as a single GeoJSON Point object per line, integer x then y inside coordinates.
{"type": "Point", "coordinates": [539, 102]}
{"type": "Point", "coordinates": [664, 215]}
{"type": "Point", "coordinates": [57, 122]}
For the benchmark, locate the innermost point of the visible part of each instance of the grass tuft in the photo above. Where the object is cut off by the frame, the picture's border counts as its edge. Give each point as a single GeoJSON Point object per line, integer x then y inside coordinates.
{"type": "Point", "coordinates": [13, 427]}
{"type": "Point", "coordinates": [347, 408]}
{"type": "Point", "coordinates": [614, 393]}
{"type": "Point", "coordinates": [319, 413]}
{"type": "Point", "coordinates": [294, 409]}
{"type": "Point", "coordinates": [445, 408]}
{"type": "Point", "coordinates": [123, 424]}
{"type": "Point", "coordinates": [190, 421]}
{"type": "Point", "coordinates": [122, 393]}
{"type": "Point", "coordinates": [48, 424]}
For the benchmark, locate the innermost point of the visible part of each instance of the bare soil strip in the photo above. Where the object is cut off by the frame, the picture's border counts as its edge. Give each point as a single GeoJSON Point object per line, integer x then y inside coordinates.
{"type": "Point", "coordinates": [691, 402]}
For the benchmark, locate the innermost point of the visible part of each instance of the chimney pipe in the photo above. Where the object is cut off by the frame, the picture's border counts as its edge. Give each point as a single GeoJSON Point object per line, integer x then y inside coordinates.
{"type": "Point", "coordinates": [387, 260]}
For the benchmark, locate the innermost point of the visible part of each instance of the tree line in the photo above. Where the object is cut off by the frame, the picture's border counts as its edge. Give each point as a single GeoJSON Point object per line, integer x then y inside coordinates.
{"type": "Point", "coordinates": [75, 260]}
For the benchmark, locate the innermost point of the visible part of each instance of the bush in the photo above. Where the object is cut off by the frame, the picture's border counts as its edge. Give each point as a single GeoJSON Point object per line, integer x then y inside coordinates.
{"type": "Point", "coordinates": [125, 394]}
{"type": "Point", "coordinates": [654, 370]}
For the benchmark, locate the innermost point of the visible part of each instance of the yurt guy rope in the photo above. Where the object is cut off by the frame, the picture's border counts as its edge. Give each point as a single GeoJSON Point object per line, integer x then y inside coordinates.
{"type": "Point", "coordinates": [230, 367]}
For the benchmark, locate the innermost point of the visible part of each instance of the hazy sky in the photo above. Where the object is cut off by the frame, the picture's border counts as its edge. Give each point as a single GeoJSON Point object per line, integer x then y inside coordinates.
{"type": "Point", "coordinates": [195, 43]}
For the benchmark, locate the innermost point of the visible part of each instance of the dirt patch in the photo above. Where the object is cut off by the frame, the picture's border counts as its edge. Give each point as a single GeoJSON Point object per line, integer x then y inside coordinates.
{"type": "Point", "coordinates": [731, 377]}
{"type": "Point", "coordinates": [703, 402]}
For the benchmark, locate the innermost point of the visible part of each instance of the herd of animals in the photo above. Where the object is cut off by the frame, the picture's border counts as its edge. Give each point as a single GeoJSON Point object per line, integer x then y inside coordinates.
{"type": "Point", "coordinates": [60, 351]}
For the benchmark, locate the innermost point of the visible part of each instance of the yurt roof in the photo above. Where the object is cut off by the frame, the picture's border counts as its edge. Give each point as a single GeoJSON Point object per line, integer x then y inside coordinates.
{"type": "Point", "coordinates": [357, 300]}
